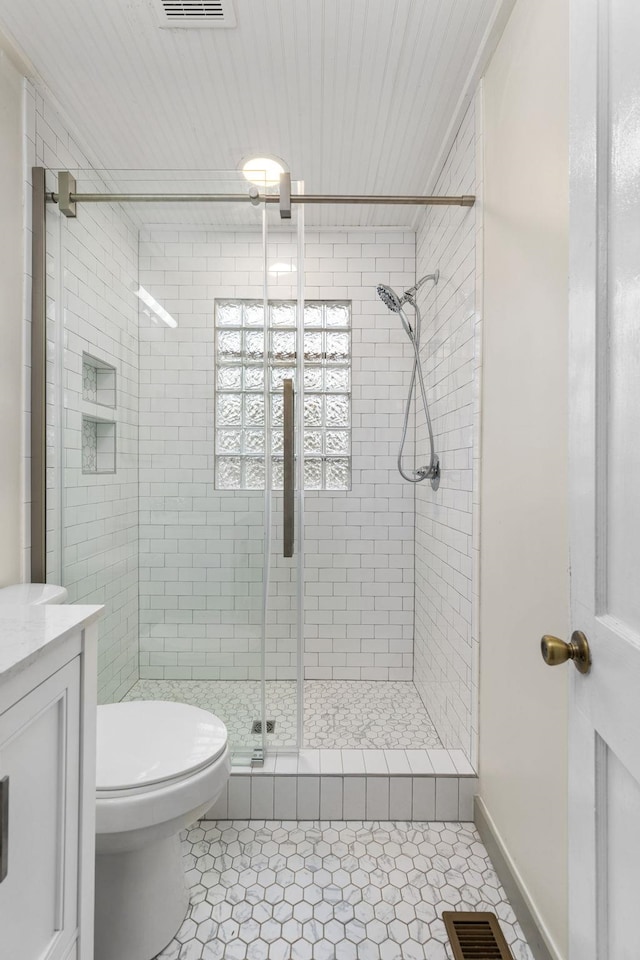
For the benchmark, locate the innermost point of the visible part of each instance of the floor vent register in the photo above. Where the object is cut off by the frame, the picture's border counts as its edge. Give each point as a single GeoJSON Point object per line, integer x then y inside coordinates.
{"type": "Point", "coordinates": [475, 936]}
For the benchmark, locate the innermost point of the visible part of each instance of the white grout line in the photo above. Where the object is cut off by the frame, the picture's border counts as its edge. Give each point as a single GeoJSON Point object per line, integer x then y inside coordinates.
{"type": "Point", "coordinates": [442, 762]}
{"type": "Point", "coordinates": [397, 762]}
{"type": "Point", "coordinates": [419, 762]}
{"type": "Point", "coordinates": [286, 763]}
{"type": "Point", "coordinates": [375, 762]}
{"type": "Point", "coordinates": [461, 763]}
{"type": "Point", "coordinates": [353, 762]}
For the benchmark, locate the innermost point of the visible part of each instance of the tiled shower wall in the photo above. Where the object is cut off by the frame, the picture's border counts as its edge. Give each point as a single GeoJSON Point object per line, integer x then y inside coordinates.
{"type": "Point", "coordinates": [445, 639]}
{"type": "Point", "coordinates": [91, 270]}
{"type": "Point", "coordinates": [201, 563]}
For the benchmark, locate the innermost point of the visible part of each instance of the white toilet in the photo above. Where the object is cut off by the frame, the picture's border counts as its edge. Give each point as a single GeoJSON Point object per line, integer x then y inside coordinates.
{"type": "Point", "coordinates": [160, 766]}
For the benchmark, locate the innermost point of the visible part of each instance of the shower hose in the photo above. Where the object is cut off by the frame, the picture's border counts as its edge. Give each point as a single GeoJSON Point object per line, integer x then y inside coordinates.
{"type": "Point", "coordinates": [431, 472]}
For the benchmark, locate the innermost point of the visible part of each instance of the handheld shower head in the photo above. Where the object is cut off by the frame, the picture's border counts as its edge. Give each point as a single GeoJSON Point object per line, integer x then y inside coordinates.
{"type": "Point", "coordinates": [394, 303]}
{"type": "Point", "coordinates": [389, 297]}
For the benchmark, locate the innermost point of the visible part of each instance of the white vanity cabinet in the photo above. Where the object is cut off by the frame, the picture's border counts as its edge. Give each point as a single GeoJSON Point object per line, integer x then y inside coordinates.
{"type": "Point", "coordinates": [47, 787]}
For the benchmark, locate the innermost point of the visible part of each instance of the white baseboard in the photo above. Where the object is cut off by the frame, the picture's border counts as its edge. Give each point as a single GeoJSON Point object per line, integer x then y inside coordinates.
{"type": "Point", "coordinates": [541, 944]}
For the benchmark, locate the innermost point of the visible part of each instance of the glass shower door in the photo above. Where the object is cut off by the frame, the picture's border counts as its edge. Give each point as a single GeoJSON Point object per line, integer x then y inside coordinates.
{"type": "Point", "coordinates": [284, 337]}
{"type": "Point", "coordinates": [165, 472]}
{"type": "Point", "coordinates": [202, 521]}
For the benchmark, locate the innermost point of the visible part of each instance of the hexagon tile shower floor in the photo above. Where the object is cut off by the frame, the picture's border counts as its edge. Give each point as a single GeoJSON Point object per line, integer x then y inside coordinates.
{"type": "Point", "coordinates": [333, 891]}
{"type": "Point", "coordinates": [338, 714]}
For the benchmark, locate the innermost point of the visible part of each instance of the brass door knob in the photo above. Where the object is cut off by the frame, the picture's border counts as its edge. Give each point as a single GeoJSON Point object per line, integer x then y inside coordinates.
{"type": "Point", "coordinates": [555, 651]}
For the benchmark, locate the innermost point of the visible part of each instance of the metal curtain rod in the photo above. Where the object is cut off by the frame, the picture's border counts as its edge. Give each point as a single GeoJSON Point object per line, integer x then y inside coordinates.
{"type": "Point", "coordinates": [67, 198]}
{"type": "Point", "coordinates": [462, 201]}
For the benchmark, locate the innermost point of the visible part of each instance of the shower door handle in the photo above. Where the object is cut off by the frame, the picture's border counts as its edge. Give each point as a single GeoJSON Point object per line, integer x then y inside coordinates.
{"type": "Point", "coordinates": [289, 471]}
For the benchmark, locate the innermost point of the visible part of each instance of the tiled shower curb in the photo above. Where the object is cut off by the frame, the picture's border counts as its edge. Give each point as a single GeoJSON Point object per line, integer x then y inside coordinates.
{"type": "Point", "coordinates": [341, 785]}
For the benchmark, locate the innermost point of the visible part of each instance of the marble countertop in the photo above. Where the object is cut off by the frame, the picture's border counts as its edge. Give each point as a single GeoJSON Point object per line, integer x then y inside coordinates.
{"type": "Point", "coordinates": [25, 631]}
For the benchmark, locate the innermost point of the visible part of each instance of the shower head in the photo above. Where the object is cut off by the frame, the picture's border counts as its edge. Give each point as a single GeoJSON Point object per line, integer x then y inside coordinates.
{"type": "Point", "coordinates": [394, 303]}
{"type": "Point", "coordinates": [389, 297]}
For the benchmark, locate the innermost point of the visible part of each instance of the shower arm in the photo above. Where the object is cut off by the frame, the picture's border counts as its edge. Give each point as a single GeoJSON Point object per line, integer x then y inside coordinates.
{"type": "Point", "coordinates": [409, 295]}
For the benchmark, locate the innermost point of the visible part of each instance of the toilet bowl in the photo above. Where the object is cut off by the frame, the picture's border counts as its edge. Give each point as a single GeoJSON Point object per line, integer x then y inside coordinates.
{"type": "Point", "coordinates": [160, 766]}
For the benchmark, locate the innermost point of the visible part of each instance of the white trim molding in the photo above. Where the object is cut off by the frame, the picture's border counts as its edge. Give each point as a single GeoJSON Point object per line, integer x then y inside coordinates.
{"type": "Point", "coordinates": [540, 941]}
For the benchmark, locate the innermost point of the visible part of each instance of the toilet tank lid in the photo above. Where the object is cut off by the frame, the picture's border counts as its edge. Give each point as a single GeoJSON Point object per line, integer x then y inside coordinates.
{"type": "Point", "coordinates": [33, 594]}
{"type": "Point", "coordinates": [151, 741]}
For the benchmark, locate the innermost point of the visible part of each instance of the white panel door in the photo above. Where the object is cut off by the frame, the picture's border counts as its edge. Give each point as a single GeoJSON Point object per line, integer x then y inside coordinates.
{"type": "Point", "coordinates": [604, 775]}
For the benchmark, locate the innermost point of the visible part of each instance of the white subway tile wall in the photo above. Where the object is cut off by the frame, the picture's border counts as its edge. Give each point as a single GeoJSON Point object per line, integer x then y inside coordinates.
{"type": "Point", "coordinates": [201, 548]}
{"type": "Point", "coordinates": [95, 555]}
{"type": "Point", "coordinates": [444, 638]}
{"type": "Point", "coordinates": [359, 545]}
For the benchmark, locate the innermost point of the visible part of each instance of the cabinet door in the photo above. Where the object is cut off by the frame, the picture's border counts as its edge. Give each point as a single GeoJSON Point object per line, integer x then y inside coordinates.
{"type": "Point", "coordinates": [39, 753]}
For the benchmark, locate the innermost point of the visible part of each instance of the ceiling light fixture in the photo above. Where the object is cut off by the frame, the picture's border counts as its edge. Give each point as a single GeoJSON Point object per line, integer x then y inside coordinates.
{"type": "Point", "coordinates": [263, 171]}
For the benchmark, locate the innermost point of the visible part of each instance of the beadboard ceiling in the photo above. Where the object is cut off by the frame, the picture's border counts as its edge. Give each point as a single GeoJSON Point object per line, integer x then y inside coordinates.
{"type": "Point", "coordinates": [357, 96]}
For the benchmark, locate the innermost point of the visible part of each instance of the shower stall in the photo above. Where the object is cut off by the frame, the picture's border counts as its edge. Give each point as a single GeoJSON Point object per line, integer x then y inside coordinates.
{"type": "Point", "coordinates": [225, 396]}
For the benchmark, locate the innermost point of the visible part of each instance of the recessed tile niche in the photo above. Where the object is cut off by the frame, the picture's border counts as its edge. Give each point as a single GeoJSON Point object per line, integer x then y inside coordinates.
{"type": "Point", "coordinates": [98, 446]}
{"type": "Point", "coordinates": [98, 381]}
{"type": "Point", "coordinates": [98, 416]}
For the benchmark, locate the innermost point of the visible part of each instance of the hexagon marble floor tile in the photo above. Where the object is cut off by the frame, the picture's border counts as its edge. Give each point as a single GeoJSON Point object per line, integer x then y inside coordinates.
{"type": "Point", "coordinates": [324, 890]}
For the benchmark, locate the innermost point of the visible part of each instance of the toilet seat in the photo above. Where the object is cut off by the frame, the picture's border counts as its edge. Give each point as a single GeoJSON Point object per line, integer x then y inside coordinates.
{"type": "Point", "coordinates": [147, 745]}
{"type": "Point", "coordinates": [34, 594]}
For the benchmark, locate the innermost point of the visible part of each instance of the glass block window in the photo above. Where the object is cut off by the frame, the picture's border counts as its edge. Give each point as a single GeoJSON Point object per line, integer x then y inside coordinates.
{"type": "Point", "coordinates": [241, 334]}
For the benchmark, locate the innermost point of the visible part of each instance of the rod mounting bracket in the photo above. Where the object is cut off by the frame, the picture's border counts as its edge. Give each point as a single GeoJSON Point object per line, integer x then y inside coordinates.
{"type": "Point", "coordinates": [285, 196]}
{"type": "Point", "coordinates": [66, 187]}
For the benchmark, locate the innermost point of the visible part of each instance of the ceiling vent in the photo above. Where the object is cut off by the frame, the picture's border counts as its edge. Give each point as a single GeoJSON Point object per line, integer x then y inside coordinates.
{"type": "Point", "coordinates": [181, 14]}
